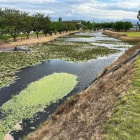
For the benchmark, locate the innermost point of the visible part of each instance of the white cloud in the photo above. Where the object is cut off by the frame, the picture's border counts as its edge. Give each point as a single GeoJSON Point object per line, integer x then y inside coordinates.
{"type": "Point", "coordinates": [41, 11]}
{"type": "Point", "coordinates": [81, 9]}
{"type": "Point", "coordinates": [68, 15]}
{"type": "Point", "coordinates": [126, 4]}
{"type": "Point", "coordinates": [29, 1]}
{"type": "Point", "coordinates": [115, 10]}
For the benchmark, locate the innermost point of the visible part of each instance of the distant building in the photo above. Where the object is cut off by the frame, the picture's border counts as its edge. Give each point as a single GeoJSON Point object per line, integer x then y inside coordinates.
{"type": "Point", "coordinates": [77, 21]}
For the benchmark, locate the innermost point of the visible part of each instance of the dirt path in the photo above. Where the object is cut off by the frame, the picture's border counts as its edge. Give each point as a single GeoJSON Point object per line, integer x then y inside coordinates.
{"type": "Point", "coordinates": [33, 40]}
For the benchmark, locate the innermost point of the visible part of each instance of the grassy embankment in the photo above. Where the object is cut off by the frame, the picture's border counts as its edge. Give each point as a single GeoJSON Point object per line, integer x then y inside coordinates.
{"type": "Point", "coordinates": [125, 36]}
{"type": "Point", "coordinates": [132, 34]}
{"type": "Point", "coordinates": [125, 121]}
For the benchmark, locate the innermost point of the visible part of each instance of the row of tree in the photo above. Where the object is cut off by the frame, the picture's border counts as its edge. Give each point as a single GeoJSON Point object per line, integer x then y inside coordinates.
{"type": "Point", "coordinates": [13, 22]}
{"type": "Point", "coordinates": [117, 26]}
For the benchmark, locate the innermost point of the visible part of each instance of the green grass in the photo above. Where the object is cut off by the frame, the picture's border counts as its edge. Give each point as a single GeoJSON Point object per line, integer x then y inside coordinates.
{"type": "Point", "coordinates": [5, 38]}
{"type": "Point", "coordinates": [132, 34]}
{"type": "Point", "coordinates": [125, 122]}
{"type": "Point", "coordinates": [34, 98]}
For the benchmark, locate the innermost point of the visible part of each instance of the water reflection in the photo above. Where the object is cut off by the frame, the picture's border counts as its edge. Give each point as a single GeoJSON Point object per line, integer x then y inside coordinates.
{"type": "Point", "coordinates": [92, 37]}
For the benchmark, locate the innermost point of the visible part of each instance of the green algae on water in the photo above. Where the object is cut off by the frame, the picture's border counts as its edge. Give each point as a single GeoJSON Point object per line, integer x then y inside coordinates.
{"type": "Point", "coordinates": [34, 98]}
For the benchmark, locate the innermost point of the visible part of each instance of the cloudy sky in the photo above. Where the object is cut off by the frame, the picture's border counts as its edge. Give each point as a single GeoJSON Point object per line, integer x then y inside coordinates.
{"type": "Point", "coordinates": [97, 10]}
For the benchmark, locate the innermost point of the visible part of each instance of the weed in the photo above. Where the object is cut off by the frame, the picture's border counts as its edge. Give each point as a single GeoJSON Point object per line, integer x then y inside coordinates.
{"type": "Point", "coordinates": [125, 122]}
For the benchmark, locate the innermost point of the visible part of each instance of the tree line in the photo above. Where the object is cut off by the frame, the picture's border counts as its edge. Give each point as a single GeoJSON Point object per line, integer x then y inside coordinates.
{"type": "Point", "coordinates": [117, 26]}
{"type": "Point", "coordinates": [14, 22]}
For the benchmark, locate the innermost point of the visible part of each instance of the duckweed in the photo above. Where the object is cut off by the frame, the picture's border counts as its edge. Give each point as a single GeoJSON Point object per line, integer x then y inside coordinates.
{"type": "Point", "coordinates": [35, 98]}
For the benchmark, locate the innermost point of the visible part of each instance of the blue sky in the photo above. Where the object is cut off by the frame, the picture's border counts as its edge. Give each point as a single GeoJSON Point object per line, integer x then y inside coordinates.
{"type": "Point", "coordinates": [97, 10]}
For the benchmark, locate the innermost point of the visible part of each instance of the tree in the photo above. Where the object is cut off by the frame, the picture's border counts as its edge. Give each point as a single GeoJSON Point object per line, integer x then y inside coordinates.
{"type": "Point", "coordinates": [97, 26]}
{"type": "Point", "coordinates": [71, 26]}
{"type": "Point", "coordinates": [65, 26]}
{"type": "Point", "coordinates": [39, 21]}
{"type": "Point", "coordinates": [2, 22]}
{"type": "Point", "coordinates": [107, 25]}
{"type": "Point", "coordinates": [59, 27]}
{"type": "Point", "coordinates": [53, 28]}
{"type": "Point", "coordinates": [2, 27]}
{"type": "Point", "coordinates": [13, 21]}
{"type": "Point", "coordinates": [84, 22]}
{"type": "Point", "coordinates": [46, 25]}
{"type": "Point", "coordinates": [27, 25]}
{"type": "Point", "coordinates": [78, 26]}
{"type": "Point", "coordinates": [60, 19]}
{"type": "Point", "coordinates": [118, 26]}
{"type": "Point", "coordinates": [127, 25]}
{"type": "Point", "coordinates": [90, 26]}
{"type": "Point", "coordinates": [85, 27]}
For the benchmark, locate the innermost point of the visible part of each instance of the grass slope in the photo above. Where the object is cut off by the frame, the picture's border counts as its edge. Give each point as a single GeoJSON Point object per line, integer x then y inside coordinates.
{"type": "Point", "coordinates": [131, 37]}
{"type": "Point", "coordinates": [133, 34]}
{"type": "Point", "coordinates": [125, 122]}
{"type": "Point", "coordinates": [35, 98]}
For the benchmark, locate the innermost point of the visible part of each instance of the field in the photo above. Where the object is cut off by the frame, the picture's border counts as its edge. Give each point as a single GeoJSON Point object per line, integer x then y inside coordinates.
{"type": "Point", "coordinates": [132, 34]}
{"type": "Point", "coordinates": [133, 37]}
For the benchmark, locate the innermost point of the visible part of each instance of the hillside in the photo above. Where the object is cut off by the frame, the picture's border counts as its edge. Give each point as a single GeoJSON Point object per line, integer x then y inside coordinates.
{"type": "Point", "coordinates": [85, 115]}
